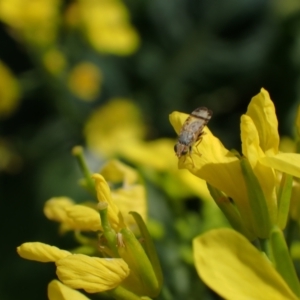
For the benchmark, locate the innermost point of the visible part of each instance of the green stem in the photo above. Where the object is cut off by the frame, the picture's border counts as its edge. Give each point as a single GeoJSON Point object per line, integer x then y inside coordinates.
{"type": "Point", "coordinates": [290, 230]}
{"type": "Point", "coordinates": [120, 293]}
{"type": "Point", "coordinates": [77, 151]}
{"type": "Point", "coordinates": [282, 260]}
{"type": "Point", "coordinates": [108, 232]}
{"type": "Point", "coordinates": [264, 246]}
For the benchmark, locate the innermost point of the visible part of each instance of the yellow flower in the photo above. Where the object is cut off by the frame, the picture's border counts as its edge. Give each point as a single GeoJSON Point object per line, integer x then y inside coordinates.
{"type": "Point", "coordinates": [117, 172]}
{"type": "Point", "coordinates": [71, 216]}
{"type": "Point", "coordinates": [93, 274]}
{"type": "Point", "coordinates": [9, 91]}
{"type": "Point", "coordinates": [235, 269]}
{"type": "Point", "coordinates": [107, 26]}
{"type": "Point", "coordinates": [113, 126]}
{"type": "Point", "coordinates": [54, 61]}
{"type": "Point", "coordinates": [131, 196]}
{"type": "Point", "coordinates": [36, 20]}
{"type": "Point", "coordinates": [41, 252]}
{"type": "Point", "coordinates": [54, 208]}
{"type": "Point", "coordinates": [104, 196]}
{"type": "Point", "coordinates": [85, 81]}
{"type": "Point", "coordinates": [129, 199]}
{"type": "Point", "coordinates": [222, 168]}
{"type": "Point", "coordinates": [59, 291]}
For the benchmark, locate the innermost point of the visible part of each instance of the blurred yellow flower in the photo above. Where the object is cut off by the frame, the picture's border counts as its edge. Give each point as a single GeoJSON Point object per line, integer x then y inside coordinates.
{"type": "Point", "coordinates": [107, 27]}
{"type": "Point", "coordinates": [72, 14]}
{"type": "Point", "coordinates": [117, 172]}
{"type": "Point", "coordinates": [59, 291]}
{"type": "Point", "coordinates": [54, 61]}
{"type": "Point", "coordinates": [235, 269]}
{"type": "Point", "coordinates": [35, 20]}
{"type": "Point", "coordinates": [85, 81]}
{"type": "Point", "coordinates": [131, 198]}
{"type": "Point", "coordinates": [9, 91]}
{"type": "Point", "coordinates": [113, 126]}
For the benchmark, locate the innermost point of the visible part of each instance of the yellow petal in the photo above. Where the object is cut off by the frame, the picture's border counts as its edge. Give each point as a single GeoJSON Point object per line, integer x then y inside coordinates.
{"type": "Point", "coordinates": [103, 195]}
{"type": "Point", "coordinates": [287, 144]}
{"type": "Point", "coordinates": [59, 291]}
{"type": "Point", "coordinates": [92, 274]}
{"type": "Point", "coordinates": [194, 185]}
{"type": "Point", "coordinates": [262, 111]}
{"type": "Point", "coordinates": [83, 218]}
{"type": "Point", "coordinates": [114, 124]}
{"type": "Point", "coordinates": [250, 141]}
{"type": "Point", "coordinates": [54, 208]}
{"type": "Point", "coordinates": [253, 152]}
{"type": "Point", "coordinates": [285, 162]}
{"type": "Point", "coordinates": [41, 252]}
{"type": "Point", "coordinates": [132, 198]}
{"type": "Point", "coordinates": [157, 154]}
{"type": "Point", "coordinates": [177, 119]}
{"type": "Point", "coordinates": [117, 172]}
{"type": "Point", "coordinates": [212, 162]}
{"type": "Point", "coordinates": [227, 262]}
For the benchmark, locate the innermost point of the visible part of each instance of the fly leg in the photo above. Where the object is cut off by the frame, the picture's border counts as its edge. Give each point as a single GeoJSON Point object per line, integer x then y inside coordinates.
{"type": "Point", "coordinates": [199, 140]}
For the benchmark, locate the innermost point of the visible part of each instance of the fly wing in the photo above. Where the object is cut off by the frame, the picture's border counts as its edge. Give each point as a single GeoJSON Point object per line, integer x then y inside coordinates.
{"type": "Point", "coordinates": [197, 120]}
{"type": "Point", "coordinates": [200, 116]}
{"type": "Point", "coordinates": [202, 113]}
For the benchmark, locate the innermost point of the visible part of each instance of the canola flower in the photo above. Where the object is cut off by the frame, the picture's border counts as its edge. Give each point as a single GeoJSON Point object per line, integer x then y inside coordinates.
{"type": "Point", "coordinates": [256, 172]}
{"type": "Point", "coordinates": [117, 264]}
{"type": "Point", "coordinates": [85, 81]}
{"type": "Point", "coordinates": [35, 21]}
{"type": "Point", "coordinates": [255, 200]}
{"type": "Point", "coordinates": [107, 26]}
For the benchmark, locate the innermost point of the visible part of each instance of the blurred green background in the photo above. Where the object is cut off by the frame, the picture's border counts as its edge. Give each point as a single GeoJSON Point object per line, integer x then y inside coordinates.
{"type": "Point", "coordinates": [60, 60]}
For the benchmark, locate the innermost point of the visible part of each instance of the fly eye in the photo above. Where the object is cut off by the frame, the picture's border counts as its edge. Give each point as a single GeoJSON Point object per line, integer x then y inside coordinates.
{"type": "Point", "coordinates": [175, 148]}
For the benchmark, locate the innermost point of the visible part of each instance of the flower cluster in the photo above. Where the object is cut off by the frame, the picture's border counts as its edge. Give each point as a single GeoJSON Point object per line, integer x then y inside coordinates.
{"type": "Point", "coordinates": [119, 264]}
{"type": "Point", "coordinates": [254, 192]}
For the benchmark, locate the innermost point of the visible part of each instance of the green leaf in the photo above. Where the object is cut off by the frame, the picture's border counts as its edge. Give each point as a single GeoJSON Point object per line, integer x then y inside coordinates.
{"type": "Point", "coordinates": [284, 197]}
{"type": "Point", "coordinates": [259, 209]}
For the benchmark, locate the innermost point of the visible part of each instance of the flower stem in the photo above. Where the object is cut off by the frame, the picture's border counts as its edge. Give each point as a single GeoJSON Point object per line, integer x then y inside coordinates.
{"type": "Point", "coordinates": [77, 151]}
{"type": "Point", "coordinates": [120, 293]}
{"type": "Point", "coordinates": [282, 260]}
{"type": "Point", "coordinates": [108, 232]}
